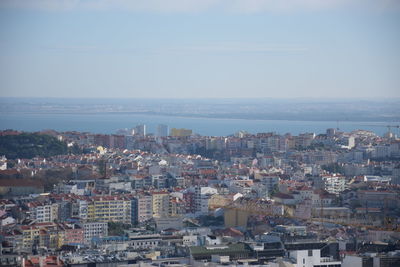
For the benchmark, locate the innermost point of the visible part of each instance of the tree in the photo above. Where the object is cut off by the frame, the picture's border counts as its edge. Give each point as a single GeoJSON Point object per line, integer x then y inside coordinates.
{"type": "Point", "coordinates": [29, 145]}
{"type": "Point", "coordinates": [75, 149]}
{"type": "Point", "coordinates": [117, 228]}
{"type": "Point", "coordinates": [275, 190]}
{"type": "Point", "coordinates": [333, 168]}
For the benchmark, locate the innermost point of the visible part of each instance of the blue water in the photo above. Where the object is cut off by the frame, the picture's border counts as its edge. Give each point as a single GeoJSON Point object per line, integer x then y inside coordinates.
{"type": "Point", "coordinates": [110, 123]}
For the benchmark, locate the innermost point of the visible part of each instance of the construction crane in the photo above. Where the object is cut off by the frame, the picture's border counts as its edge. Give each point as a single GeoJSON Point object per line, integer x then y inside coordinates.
{"type": "Point", "coordinates": [389, 127]}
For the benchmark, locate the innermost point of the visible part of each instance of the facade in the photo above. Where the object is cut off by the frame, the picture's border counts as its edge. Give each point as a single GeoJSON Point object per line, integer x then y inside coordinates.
{"type": "Point", "coordinates": [19, 187]}
{"type": "Point", "coordinates": [202, 197]}
{"type": "Point", "coordinates": [312, 258]}
{"type": "Point", "coordinates": [94, 229]}
{"type": "Point", "coordinates": [144, 241]}
{"type": "Point", "coordinates": [44, 212]}
{"type": "Point", "coordinates": [160, 204]}
{"type": "Point", "coordinates": [42, 235]}
{"type": "Point", "coordinates": [372, 260]}
{"type": "Point", "coordinates": [110, 209]}
{"type": "Point", "coordinates": [169, 223]}
{"type": "Point", "coordinates": [74, 235]}
{"type": "Point", "coordinates": [145, 208]}
{"type": "Point", "coordinates": [162, 130]}
{"type": "Point", "coordinates": [334, 184]}
{"type": "Point", "coordinates": [134, 210]}
{"type": "Point", "coordinates": [139, 130]}
{"type": "Point", "coordinates": [378, 199]}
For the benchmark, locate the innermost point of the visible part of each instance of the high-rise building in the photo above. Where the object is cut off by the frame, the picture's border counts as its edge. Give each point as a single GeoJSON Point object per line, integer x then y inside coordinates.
{"type": "Point", "coordinates": [162, 130]}
{"type": "Point", "coordinates": [330, 132]}
{"type": "Point", "coordinates": [160, 204]}
{"type": "Point", "coordinates": [144, 207]}
{"type": "Point", "coordinates": [139, 130]}
{"type": "Point", "coordinates": [202, 197]}
{"type": "Point", "coordinates": [110, 209]}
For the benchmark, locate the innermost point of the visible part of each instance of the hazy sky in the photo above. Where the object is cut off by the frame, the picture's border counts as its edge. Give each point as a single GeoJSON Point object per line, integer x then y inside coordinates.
{"type": "Point", "coordinates": [202, 48]}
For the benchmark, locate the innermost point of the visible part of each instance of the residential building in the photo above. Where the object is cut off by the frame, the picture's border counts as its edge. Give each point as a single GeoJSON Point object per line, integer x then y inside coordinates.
{"type": "Point", "coordinates": [202, 197]}
{"type": "Point", "coordinates": [160, 204]}
{"type": "Point", "coordinates": [162, 130]}
{"type": "Point", "coordinates": [94, 229]}
{"type": "Point", "coordinates": [145, 207]}
{"type": "Point", "coordinates": [312, 258]}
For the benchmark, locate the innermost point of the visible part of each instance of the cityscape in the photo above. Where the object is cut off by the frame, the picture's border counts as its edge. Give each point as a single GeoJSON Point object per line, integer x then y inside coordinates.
{"type": "Point", "coordinates": [175, 198]}
{"type": "Point", "coordinates": [199, 133]}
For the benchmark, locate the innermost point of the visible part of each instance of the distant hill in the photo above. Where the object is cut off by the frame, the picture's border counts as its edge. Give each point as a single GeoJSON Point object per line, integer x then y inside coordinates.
{"type": "Point", "coordinates": [30, 145]}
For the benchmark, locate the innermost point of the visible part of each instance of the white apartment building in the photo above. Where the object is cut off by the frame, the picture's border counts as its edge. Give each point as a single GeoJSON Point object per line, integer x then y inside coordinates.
{"type": "Point", "coordinates": [190, 240]}
{"type": "Point", "coordinates": [334, 184]}
{"type": "Point", "coordinates": [94, 229]}
{"type": "Point", "coordinates": [312, 258]}
{"type": "Point", "coordinates": [202, 197]}
{"type": "Point", "coordinates": [44, 213]}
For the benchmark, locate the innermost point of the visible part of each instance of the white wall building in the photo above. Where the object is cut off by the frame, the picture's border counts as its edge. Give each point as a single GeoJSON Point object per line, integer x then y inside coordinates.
{"type": "Point", "coordinates": [312, 258]}
{"type": "Point", "coordinates": [145, 208]}
{"type": "Point", "coordinates": [45, 213]}
{"type": "Point", "coordinates": [334, 184]}
{"type": "Point", "coordinates": [94, 229]}
{"type": "Point", "coordinates": [202, 196]}
{"type": "Point", "coordinates": [190, 240]}
{"type": "Point", "coordinates": [3, 163]}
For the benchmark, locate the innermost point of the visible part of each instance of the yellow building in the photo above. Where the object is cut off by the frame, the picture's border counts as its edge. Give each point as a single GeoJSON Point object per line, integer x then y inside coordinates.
{"type": "Point", "coordinates": [110, 209]}
{"type": "Point", "coordinates": [90, 211]}
{"type": "Point", "coordinates": [160, 204]}
{"type": "Point", "coordinates": [46, 235]}
{"type": "Point", "coordinates": [176, 206]}
{"type": "Point", "coordinates": [181, 132]}
{"type": "Point", "coordinates": [235, 217]}
{"type": "Point", "coordinates": [30, 236]}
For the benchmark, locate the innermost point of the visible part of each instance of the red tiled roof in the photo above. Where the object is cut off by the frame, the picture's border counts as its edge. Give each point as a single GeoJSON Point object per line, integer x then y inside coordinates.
{"type": "Point", "coordinates": [20, 182]}
{"type": "Point", "coordinates": [230, 232]}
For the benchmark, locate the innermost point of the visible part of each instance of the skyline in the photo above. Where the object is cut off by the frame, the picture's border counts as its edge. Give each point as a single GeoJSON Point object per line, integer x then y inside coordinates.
{"type": "Point", "coordinates": [204, 116]}
{"type": "Point", "coordinates": [200, 49]}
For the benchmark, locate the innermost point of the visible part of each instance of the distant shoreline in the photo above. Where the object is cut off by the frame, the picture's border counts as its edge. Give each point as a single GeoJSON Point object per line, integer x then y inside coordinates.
{"type": "Point", "coordinates": [255, 117]}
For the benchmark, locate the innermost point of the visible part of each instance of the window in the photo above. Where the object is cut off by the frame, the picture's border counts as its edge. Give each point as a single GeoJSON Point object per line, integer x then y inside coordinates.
{"type": "Point", "coordinates": [310, 253]}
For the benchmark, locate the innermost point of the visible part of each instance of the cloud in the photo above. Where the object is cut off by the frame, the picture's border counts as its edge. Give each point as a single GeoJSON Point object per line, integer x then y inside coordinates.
{"type": "Point", "coordinates": [72, 48]}
{"type": "Point", "coordinates": [188, 6]}
{"type": "Point", "coordinates": [219, 48]}
{"type": "Point", "coordinates": [246, 48]}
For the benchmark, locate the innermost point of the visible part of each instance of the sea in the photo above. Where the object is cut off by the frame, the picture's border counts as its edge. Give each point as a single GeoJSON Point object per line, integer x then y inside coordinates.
{"type": "Point", "coordinates": [109, 123]}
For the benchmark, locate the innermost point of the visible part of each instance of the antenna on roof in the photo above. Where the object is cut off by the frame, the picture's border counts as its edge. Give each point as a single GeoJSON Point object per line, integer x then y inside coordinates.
{"type": "Point", "coordinates": [337, 125]}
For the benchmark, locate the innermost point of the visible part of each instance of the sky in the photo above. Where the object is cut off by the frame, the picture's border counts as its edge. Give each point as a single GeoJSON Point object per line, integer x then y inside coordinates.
{"type": "Point", "coordinates": [200, 48]}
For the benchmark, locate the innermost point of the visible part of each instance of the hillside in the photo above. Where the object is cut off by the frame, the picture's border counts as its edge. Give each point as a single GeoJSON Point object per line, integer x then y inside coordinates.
{"type": "Point", "coordinates": [29, 145]}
